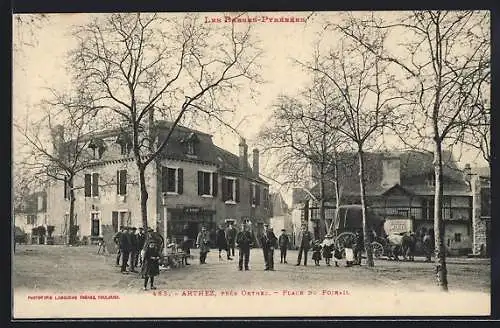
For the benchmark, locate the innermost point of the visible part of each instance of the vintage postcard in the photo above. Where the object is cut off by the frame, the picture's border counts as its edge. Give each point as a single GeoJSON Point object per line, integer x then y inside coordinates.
{"type": "Point", "coordinates": [254, 164]}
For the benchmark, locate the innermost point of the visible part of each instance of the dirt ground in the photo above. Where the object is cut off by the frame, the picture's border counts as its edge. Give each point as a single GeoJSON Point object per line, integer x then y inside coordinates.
{"type": "Point", "coordinates": [62, 268]}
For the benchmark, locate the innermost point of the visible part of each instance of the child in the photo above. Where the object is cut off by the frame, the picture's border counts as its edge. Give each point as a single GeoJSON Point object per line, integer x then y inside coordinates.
{"type": "Point", "coordinates": [316, 252]}
{"type": "Point", "coordinates": [186, 249]}
{"type": "Point", "coordinates": [337, 255]}
{"type": "Point", "coordinates": [328, 249]}
{"type": "Point", "coordinates": [151, 264]}
{"type": "Point", "coordinates": [349, 253]}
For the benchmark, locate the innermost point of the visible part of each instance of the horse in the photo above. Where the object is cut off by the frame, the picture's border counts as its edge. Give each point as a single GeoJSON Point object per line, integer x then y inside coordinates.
{"type": "Point", "coordinates": [401, 244]}
{"type": "Point", "coordinates": [408, 246]}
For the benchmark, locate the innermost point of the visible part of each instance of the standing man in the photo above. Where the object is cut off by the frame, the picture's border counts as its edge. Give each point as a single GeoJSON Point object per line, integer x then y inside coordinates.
{"type": "Point", "coordinates": [268, 241]}
{"type": "Point", "coordinates": [304, 240]}
{"type": "Point", "coordinates": [358, 247]}
{"type": "Point", "coordinates": [203, 242]}
{"type": "Point", "coordinates": [133, 249]}
{"type": "Point", "coordinates": [221, 241]}
{"type": "Point", "coordinates": [283, 242]}
{"type": "Point", "coordinates": [116, 239]}
{"type": "Point", "coordinates": [141, 239]}
{"type": "Point", "coordinates": [231, 238]}
{"type": "Point", "coordinates": [244, 241]}
{"type": "Point", "coordinates": [124, 249]}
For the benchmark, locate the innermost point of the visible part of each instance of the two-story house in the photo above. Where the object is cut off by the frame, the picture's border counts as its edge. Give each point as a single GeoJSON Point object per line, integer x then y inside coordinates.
{"type": "Point", "coordinates": [402, 184]}
{"type": "Point", "coordinates": [31, 217]}
{"type": "Point", "coordinates": [192, 183]}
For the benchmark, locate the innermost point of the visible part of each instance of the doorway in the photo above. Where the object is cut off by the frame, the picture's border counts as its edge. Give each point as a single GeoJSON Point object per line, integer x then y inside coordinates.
{"type": "Point", "coordinates": [95, 228]}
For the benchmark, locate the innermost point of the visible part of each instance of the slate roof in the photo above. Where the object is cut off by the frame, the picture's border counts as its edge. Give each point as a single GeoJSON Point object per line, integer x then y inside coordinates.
{"type": "Point", "coordinates": [415, 167]}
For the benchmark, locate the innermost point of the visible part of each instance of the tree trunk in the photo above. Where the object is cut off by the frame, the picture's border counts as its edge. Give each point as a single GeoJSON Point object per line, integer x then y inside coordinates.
{"type": "Point", "coordinates": [322, 217]}
{"type": "Point", "coordinates": [440, 249]}
{"type": "Point", "coordinates": [368, 248]}
{"type": "Point", "coordinates": [337, 197]}
{"type": "Point", "coordinates": [144, 197]}
{"type": "Point", "coordinates": [72, 230]}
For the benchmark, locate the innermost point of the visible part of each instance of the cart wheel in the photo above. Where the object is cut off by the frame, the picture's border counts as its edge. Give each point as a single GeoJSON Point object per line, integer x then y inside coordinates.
{"type": "Point", "coordinates": [342, 239]}
{"type": "Point", "coordinates": [377, 249]}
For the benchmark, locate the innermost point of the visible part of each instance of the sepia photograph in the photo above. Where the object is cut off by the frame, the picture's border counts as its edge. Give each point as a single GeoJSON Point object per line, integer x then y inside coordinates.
{"type": "Point", "coordinates": [251, 164]}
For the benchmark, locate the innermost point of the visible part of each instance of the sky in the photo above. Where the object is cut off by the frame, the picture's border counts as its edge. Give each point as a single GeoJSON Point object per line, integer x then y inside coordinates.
{"type": "Point", "coordinates": [40, 56]}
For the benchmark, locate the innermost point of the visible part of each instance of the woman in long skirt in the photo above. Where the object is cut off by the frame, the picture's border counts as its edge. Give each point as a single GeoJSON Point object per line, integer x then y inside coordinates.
{"type": "Point", "coordinates": [151, 264]}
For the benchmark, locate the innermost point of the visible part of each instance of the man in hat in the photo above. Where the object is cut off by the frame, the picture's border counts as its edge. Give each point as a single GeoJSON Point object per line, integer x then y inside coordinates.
{"type": "Point", "coordinates": [231, 238]}
{"type": "Point", "coordinates": [133, 248]}
{"type": "Point", "coordinates": [304, 240]}
{"type": "Point", "coordinates": [116, 239]}
{"type": "Point", "coordinates": [203, 242]}
{"type": "Point", "coordinates": [268, 241]}
{"type": "Point", "coordinates": [359, 246]}
{"type": "Point", "coordinates": [125, 249]}
{"type": "Point", "coordinates": [283, 242]}
{"type": "Point", "coordinates": [244, 241]}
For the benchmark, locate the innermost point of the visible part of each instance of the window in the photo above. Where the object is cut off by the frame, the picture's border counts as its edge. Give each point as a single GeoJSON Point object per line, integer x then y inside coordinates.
{"type": "Point", "coordinates": [431, 180]}
{"type": "Point", "coordinates": [190, 148]}
{"type": "Point", "coordinates": [458, 237]}
{"type": "Point", "coordinates": [254, 194]}
{"type": "Point", "coordinates": [31, 219]}
{"type": "Point", "coordinates": [95, 228]}
{"type": "Point", "coordinates": [92, 185]}
{"type": "Point", "coordinates": [125, 148]}
{"type": "Point", "coordinates": [231, 190]}
{"type": "Point", "coordinates": [207, 183]}
{"type": "Point", "coordinates": [172, 180]}
{"type": "Point", "coordinates": [120, 218]}
{"type": "Point", "coordinates": [265, 197]}
{"type": "Point", "coordinates": [403, 212]}
{"type": "Point", "coordinates": [40, 203]}
{"type": "Point", "coordinates": [121, 182]}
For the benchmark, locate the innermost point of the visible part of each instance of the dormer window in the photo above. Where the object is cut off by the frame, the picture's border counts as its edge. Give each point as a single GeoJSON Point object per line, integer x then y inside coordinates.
{"type": "Point", "coordinates": [98, 147]}
{"type": "Point", "coordinates": [191, 144]}
{"type": "Point", "coordinates": [125, 143]}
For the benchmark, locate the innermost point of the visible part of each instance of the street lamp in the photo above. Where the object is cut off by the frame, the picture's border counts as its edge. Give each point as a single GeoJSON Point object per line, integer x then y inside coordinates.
{"type": "Point", "coordinates": [165, 225]}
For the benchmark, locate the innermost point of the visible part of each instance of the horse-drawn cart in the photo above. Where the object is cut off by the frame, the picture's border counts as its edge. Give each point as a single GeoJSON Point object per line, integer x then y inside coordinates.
{"type": "Point", "coordinates": [349, 220]}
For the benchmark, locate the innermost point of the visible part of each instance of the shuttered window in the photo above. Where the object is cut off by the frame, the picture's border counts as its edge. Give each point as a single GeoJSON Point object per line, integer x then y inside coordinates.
{"type": "Point", "coordinates": [206, 183]}
{"type": "Point", "coordinates": [172, 180]}
{"type": "Point", "coordinates": [230, 189]}
{"type": "Point", "coordinates": [121, 182]}
{"type": "Point", "coordinates": [88, 182]}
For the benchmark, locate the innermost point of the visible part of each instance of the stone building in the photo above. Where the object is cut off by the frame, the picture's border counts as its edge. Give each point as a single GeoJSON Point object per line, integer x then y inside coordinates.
{"type": "Point", "coordinates": [31, 217]}
{"type": "Point", "coordinates": [480, 183]}
{"type": "Point", "coordinates": [192, 183]}
{"type": "Point", "coordinates": [402, 185]}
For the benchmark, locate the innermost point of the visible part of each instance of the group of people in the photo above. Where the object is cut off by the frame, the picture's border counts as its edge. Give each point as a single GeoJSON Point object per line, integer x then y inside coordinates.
{"type": "Point", "coordinates": [139, 249]}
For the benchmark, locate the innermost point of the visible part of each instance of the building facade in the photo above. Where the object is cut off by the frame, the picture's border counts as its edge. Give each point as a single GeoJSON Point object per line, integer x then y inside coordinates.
{"type": "Point", "coordinates": [402, 185]}
{"type": "Point", "coordinates": [32, 219]}
{"type": "Point", "coordinates": [192, 183]}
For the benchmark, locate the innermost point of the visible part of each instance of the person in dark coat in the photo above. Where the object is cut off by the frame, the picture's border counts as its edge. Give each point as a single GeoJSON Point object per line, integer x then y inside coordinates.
{"type": "Point", "coordinates": [316, 256]}
{"type": "Point", "coordinates": [244, 241]}
{"type": "Point", "coordinates": [429, 246]}
{"type": "Point", "coordinates": [186, 248]}
{"type": "Point", "coordinates": [283, 242]}
{"type": "Point", "coordinates": [141, 239]}
{"type": "Point", "coordinates": [327, 247]}
{"type": "Point", "coordinates": [124, 249]}
{"type": "Point", "coordinates": [221, 241]}
{"type": "Point", "coordinates": [304, 240]}
{"type": "Point", "coordinates": [268, 242]}
{"type": "Point", "coordinates": [151, 267]}
{"type": "Point", "coordinates": [116, 239]}
{"type": "Point", "coordinates": [203, 242]}
{"type": "Point", "coordinates": [133, 249]}
{"type": "Point", "coordinates": [359, 246]}
{"type": "Point", "coordinates": [231, 238]}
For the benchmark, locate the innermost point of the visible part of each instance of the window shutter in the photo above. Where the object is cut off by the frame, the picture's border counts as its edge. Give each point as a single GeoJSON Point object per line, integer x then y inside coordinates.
{"type": "Point", "coordinates": [257, 195]}
{"type": "Point", "coordinates": [164, 178]}
{"type": "Point", "coordinates": [117, 182]}
{"type": "Point", "coordinates": [224, 189]}
{"type": "Point", "coordinates": [215, 184]}
{"type": "Point", "coordinates": [95, 184]}
{"type": "Point", "coordinates": [200, 183]}
{"type": "Point", "coordinates": [180, 181]}
{"type": "Point", "coordinates": [123, 182]}
{"type": "Point", "coordinates": [65, 188]}
{"type": "Point", "coordinates": [88, 179]}
{"type": "Point", "coordinates": [251, 194]}
{"type": "Point", "coordinates": [237, 187]}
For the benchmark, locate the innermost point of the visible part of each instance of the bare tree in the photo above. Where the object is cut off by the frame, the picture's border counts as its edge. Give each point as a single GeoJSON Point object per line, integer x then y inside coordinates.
{"type": "Point", "coordinates": [367, 100]}
{"type": "Point", "coordinates": [139, 66]}
{"type": "Point", "coordinates": [444, 59]}
{"type": "Point", "coordinates": [58, 144]}
{"type": "Point", "coordinates": [301, 138]}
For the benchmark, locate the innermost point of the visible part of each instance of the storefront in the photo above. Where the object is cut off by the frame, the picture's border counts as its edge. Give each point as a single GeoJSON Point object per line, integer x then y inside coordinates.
{"type": "Point", "coordinates": [190, 220]}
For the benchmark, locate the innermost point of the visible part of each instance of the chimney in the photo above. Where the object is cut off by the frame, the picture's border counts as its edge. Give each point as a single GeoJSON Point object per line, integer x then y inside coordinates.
{"type": "Point", "coordinates": [243, 154]}
{"type": "Point", "coordinates": [255, 165]}
{"type": "Point", "coordinates": [467, 172]}
{"type": "Point", "coordinates": [391, 171]}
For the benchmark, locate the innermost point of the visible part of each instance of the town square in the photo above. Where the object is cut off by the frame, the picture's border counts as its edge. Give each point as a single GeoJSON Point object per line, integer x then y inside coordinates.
{"type": "Point", "coordinates": [321, 161]}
